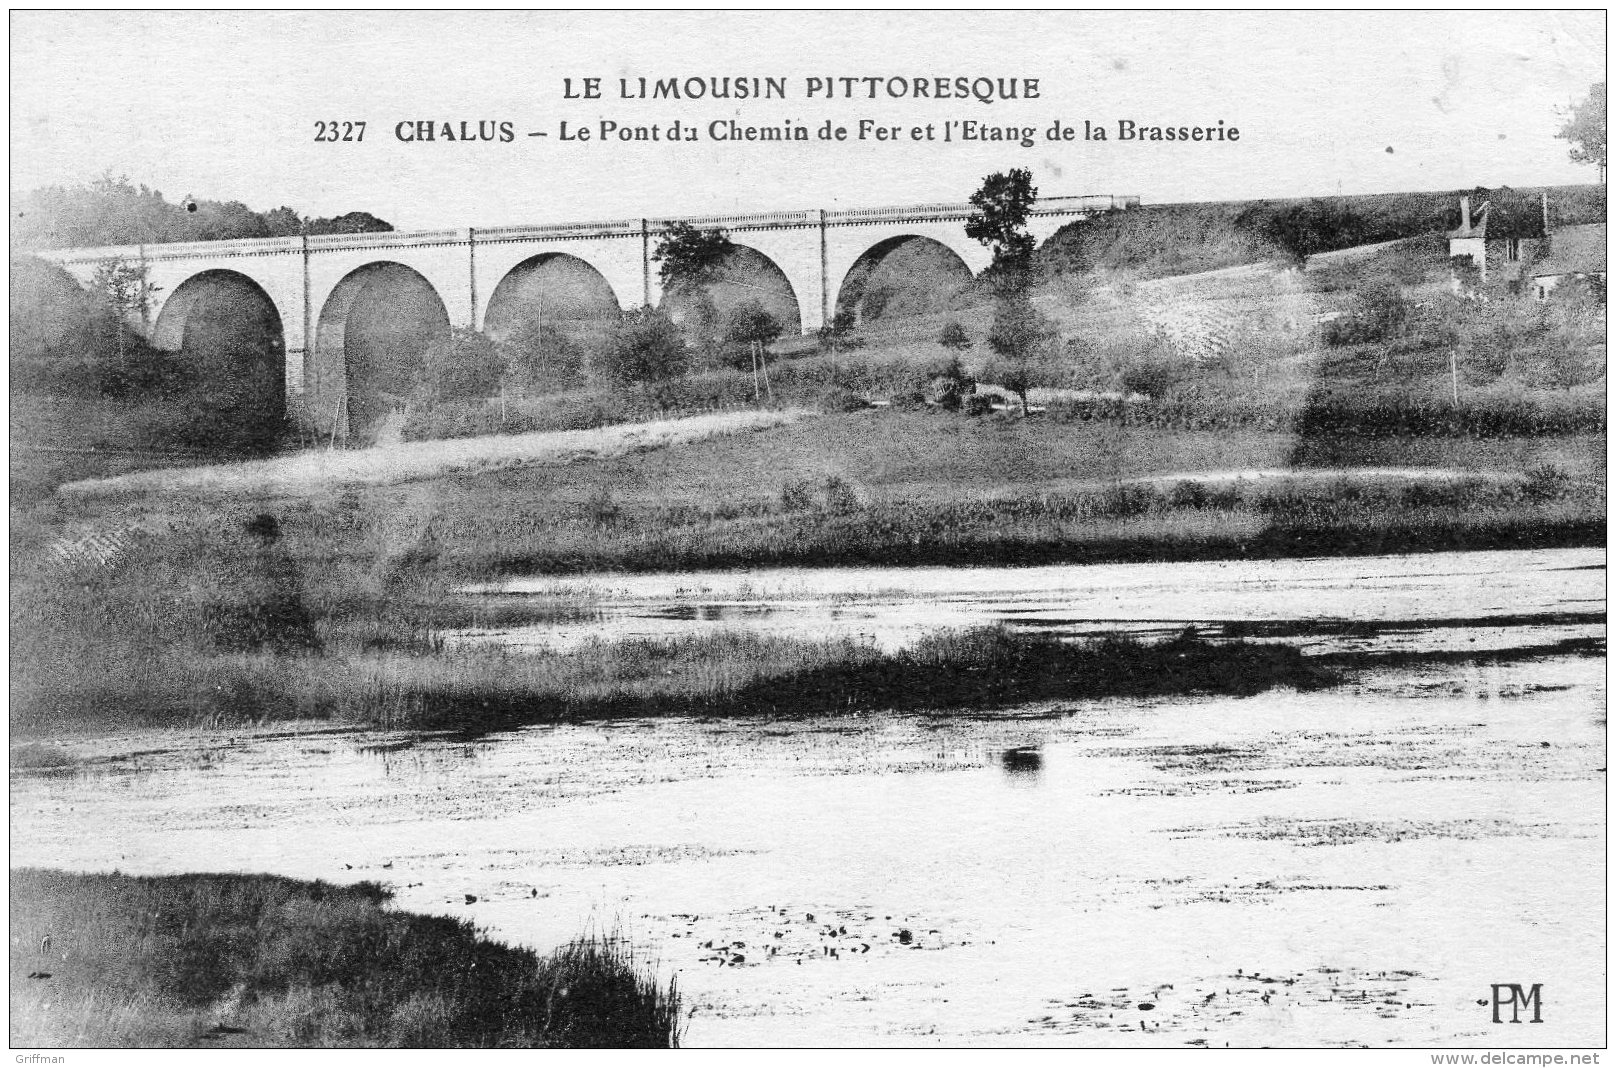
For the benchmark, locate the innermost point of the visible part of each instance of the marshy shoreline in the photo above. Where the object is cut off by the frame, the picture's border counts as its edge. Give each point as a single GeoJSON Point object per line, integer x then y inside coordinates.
{"type": "Point", "coordinates": [250, 961]}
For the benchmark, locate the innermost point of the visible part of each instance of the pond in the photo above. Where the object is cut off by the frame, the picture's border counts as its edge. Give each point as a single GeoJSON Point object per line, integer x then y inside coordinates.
{"type": "Point", "coordinates": [1352, 866]}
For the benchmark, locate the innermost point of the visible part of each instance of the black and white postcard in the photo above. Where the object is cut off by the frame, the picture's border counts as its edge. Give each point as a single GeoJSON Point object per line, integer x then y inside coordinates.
{"type": "Point", "coordinates": [808, 529]}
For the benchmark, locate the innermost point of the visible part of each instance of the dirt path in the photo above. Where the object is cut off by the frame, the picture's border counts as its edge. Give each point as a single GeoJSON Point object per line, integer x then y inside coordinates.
{"type": "Point", "coordinates": [409, 461]}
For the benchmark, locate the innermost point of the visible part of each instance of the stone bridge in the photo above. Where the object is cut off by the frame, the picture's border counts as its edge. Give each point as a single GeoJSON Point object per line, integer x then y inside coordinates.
{"type": "Point", "coordinates": [317, 297]}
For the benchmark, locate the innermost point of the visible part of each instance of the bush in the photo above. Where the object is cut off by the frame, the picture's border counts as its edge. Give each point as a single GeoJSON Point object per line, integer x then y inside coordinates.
{"type": "Point", "coordinates": [646, 348]}
{"type": "Point", "coordinates": [831, 494]}
{"type": "Point", "coordinates": [1149, 377]}
{"type": "Point", "coordinates": [1124, 500]}
{"type": "Point", "coordinates": [463, 365]}
{"type": "Point", "coordinates": [1546, 482]}
{"type": "Point", "coordinates": [837, 399]}
{"type": "Point", "coordinates": [543, 356]}
{"type": "Point", "coordinates": [840, 497]}
{"type": "Point", "coordinates": [954, 336]}
{"type": "Point", "coordinates": [797, 495]}
{"type": "Point", "coordinates": [944, 392]}
{"type": "Point", "coordinates": [1187, 494]}
{"type": "Point", "coordinates": [977, 404]}
{"type": "Point", "coordinates": [1380, 316]}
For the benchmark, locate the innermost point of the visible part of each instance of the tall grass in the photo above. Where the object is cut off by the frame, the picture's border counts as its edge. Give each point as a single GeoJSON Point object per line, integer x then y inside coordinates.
{"type": "Point", "coordinates": [122, 961]}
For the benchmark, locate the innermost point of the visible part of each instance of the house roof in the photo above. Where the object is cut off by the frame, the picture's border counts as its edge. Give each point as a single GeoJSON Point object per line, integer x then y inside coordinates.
{"type": "Point", "coordinates": [1574, 250]}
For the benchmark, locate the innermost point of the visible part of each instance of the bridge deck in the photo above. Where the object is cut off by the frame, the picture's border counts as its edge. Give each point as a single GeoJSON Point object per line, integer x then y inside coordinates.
{"type": "Point", "coordinates": [1073, 205]}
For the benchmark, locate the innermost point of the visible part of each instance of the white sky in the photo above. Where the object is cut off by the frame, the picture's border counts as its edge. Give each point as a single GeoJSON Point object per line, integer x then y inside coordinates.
{"type": "Point", "coordinates": [223, 105]}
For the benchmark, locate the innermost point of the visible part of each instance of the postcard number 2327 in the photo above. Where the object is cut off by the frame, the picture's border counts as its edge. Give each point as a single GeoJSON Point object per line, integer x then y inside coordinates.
{"type": "Point", "coordinates": [339, 131]}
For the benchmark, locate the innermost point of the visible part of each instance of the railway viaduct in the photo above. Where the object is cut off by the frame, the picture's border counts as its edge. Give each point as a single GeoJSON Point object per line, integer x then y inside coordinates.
{"type": "Point", "coordinates": [316, 294]}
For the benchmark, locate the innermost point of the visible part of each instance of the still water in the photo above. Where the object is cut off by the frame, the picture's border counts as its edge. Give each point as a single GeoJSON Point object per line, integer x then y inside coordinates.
{"type": "Point", "coordinates": [1353, 866]}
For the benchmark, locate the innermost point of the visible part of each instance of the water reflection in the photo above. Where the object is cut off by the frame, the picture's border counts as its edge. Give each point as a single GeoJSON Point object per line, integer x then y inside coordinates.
{"type": "Point", "coordinates": [1023, 766]}
{"type": "Point", "coordinates": [425, 754]}
{"type": "Point", "coordinates": [1461, 601]}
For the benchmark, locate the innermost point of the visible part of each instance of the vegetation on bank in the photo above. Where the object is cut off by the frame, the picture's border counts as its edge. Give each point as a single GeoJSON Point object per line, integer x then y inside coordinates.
{"type": "Point", "coordinates": [1159, 240]}
{"type": "Point", "coordinates": [334, 605]}
{"type": "Point", "coordinates": [119, 961]}
{"type": "Point", "coordinates": [724, 673]}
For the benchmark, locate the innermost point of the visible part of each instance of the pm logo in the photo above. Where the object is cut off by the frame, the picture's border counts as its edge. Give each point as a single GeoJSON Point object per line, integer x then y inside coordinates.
{"type": "Point", "coordinates": [1518, 1001]}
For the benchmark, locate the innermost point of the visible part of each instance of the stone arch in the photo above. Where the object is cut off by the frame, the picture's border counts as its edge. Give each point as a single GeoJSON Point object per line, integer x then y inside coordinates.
{"type": "Point", "coordinates": [229, 335]}
{"type": "Point", "coordinates": [920, 273]}
{"type": "Point", "coordinates": [558, 287]}
{"type": "Point", "coordinates": [745, 274]}
{"type": "Point", "coordinates": [372, 332]}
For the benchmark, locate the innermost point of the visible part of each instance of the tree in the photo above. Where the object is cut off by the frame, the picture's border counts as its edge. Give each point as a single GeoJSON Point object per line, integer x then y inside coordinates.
{"type": "Point", "coordinates": [123, 289]}
{"type": "Point", "coordinates": [690, 258]}
{"type": "Point", "coordinates": [1020, 334]}
{"type": "Point", "coordinates": [1319, 225]}
{"type": "Point", "coordinates": [1584, 127]}
{"type": "Point", "coordinates": [354, 222]}
{"type": "Point", "coordinates": [645, 350]}
{"type": "Point", "coordinates": [1000, 223]}
{"type": "Point", "coordinates": [749, 322]}
{"type": "Point", "coordinates": [113, 211]}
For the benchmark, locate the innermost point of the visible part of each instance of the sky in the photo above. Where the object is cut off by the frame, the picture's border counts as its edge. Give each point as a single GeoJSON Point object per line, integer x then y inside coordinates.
{"type": "Point", "coordinates": [224, 105]}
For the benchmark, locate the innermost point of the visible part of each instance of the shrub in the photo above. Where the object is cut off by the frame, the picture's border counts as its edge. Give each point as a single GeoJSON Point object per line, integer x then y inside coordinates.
{"type": "Point", "coordinates": [837, 399]}
{"type": "Point", "coordinates": [463, 365]}
{"type": "Point", "coordinates": [1149, 377]}
{"type": "Point", "coordinates": [542, 356]}
{"type": "Point", "coordinates": [1187, 494]}
{"type": "Point", "coordinates": [797, 495]}
{"type": "Point", "coordinates": [954, 336]}
{"type": "Point", "coordinates": [1380, 316]}
{"type": "Point", "coordinates": [646, 348]}
{"type": "Point", "coordinates": [839, 495]}
{"type": "Point", "coordinates": [944, 392]}
{"type": "Point", "coordinates": [1123, 500]}
{"type": "Point", "coordinates": [977, 404]}
{"type": "Point", "coordinates": [1546, 482]}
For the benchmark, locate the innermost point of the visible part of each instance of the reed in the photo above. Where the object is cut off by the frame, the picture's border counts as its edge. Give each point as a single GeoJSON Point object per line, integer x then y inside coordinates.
{"type": "Point", "coordinates": [205, 960]}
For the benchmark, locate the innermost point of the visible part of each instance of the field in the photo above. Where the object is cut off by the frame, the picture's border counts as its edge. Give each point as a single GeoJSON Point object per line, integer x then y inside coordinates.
{"type": "Point", "coordinates": [252, 961]}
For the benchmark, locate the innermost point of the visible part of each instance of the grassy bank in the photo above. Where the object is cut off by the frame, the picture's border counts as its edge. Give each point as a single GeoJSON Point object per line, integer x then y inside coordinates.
{"type": "Point", "coordinates": [727, 673]}
{"type": "Point", "coordinates": [247, 602]}
{"type": "Point", "coordinates": [741, 673]}
{"type": "Point", "coordinates": [259, 960]}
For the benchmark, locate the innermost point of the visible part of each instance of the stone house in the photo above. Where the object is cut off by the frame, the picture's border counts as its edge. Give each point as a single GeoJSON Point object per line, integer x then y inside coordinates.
{"type": "Point", "coordinates": [1502, 243]}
